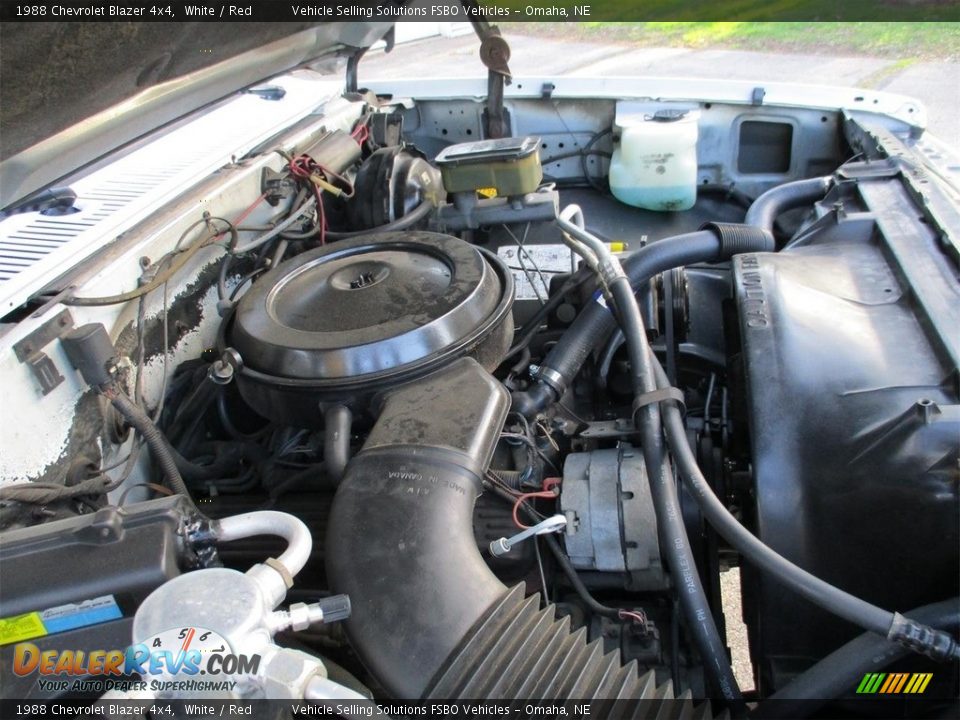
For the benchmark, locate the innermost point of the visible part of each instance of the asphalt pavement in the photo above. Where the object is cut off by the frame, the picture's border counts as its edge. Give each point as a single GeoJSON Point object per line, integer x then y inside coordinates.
{"type": "Point", "coordinates": [935, 84]}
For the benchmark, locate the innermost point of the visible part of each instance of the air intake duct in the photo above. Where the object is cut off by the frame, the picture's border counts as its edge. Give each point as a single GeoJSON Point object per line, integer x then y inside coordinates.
{"type": "Point", "coordinates": [429, 617]}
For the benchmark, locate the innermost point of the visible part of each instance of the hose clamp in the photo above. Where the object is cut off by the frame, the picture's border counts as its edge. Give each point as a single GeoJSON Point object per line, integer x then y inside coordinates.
{"type": "Point", "coordinates": [220, 372]}
{"type": "Point", "coordinates": [551, 377]}
{"type": "Point", "coordinates": [659, 395]}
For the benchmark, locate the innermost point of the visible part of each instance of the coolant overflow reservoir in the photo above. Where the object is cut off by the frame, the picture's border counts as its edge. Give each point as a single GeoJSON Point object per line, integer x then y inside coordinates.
{"type": "Point", "coordinates": [654, 166]}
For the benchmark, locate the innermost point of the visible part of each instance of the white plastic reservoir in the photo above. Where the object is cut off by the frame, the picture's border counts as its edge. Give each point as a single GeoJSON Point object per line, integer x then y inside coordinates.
{"type": "Point", "coordinates": [654, 166]}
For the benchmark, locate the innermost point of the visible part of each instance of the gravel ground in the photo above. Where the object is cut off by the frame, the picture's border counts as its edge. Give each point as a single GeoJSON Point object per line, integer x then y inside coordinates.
{"type": "Point", "coordinates": [736, 630]}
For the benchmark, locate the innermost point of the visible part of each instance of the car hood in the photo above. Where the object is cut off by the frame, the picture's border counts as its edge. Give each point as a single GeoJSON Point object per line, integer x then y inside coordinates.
{"type": "Point", "coordinates": [73, 92]}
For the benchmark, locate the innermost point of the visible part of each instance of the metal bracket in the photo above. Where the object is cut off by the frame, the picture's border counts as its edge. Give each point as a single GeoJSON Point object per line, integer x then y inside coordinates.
{"type": "Point", "coordinates": [30, 350]}
{"type": "Point", "coordinates": [620, 428]}
{"type": "Point", "coordinates": [353, 61]}
{"type": "Point", "coordinates": [353, 64]}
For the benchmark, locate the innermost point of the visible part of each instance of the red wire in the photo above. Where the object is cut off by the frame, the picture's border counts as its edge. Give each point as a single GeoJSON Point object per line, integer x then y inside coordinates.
{"type": "Point", "coordinates": [361, 133]}
{"type": "Point", "coordinates": [303, 167]}
{"type": "Point", "coordinates": [635, 616]}
{"type": "Point", "coordinates": [551, 491]}
{"type": "Point", "coordinates": [245, 214]}
{"type": "Point", "coordinates": [549, 494]}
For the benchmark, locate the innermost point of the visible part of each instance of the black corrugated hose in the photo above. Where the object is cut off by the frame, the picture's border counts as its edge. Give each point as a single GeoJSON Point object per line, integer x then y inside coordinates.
{"type": "Point", "coordinates": [430, 619]}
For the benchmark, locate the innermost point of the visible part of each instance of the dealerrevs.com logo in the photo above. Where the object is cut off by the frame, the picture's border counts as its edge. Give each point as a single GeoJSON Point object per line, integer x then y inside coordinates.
{"type": "Point", "coordinates": [186, 659]}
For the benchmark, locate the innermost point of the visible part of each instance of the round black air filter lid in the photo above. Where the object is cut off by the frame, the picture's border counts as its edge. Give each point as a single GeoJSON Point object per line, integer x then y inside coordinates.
{"type": "Point", "coordinates": [372, 306]}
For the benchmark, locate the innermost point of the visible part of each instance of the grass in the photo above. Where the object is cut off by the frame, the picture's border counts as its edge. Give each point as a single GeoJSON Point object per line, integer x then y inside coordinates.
{"type": "Point", "coordinates": [902, 40]}
{"type": "Point", "coordinates": [876, 79]}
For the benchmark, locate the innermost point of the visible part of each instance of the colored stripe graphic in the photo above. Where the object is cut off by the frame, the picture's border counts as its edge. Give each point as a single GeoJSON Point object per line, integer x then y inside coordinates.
{"type": "Point", "coordinates": [891, 680]}
{"type": "Point", "coordinates": [918, 683]}
{"type": "Point", "coordinates": [894, 683]}
{"type": "Point", "coordinates": [901, 683]}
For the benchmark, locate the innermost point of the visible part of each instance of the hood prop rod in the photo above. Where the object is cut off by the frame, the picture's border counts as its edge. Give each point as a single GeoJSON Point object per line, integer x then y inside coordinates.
{"type": "Point", "coordinates": [494, 54]}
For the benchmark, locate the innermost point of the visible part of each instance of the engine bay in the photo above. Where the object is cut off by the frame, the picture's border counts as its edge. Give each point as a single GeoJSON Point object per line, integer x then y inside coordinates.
{"type": "Point", "coordinates": [528, 396]}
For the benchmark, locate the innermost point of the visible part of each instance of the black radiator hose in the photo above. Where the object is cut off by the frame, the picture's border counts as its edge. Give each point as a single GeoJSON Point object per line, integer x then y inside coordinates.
{"type": "Point", "coordinates": [765, 210]}
{"type": "Point", "coordinates": [906, 632]}
{"type": "Point", "coordinates": [840, 671]}
{"type": "Point", "coordinates": [429, 617]}
{"type": "Point", "coordinates": [674, 542]}
{"type": "Point", "coordinates": [715, 243]}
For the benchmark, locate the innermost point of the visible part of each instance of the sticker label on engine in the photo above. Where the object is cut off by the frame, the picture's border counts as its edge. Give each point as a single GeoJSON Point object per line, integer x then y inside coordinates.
{"type": "Point", "coordinates": [58, 619]}
{"type": "Point", "coordinates": [533, 266]}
